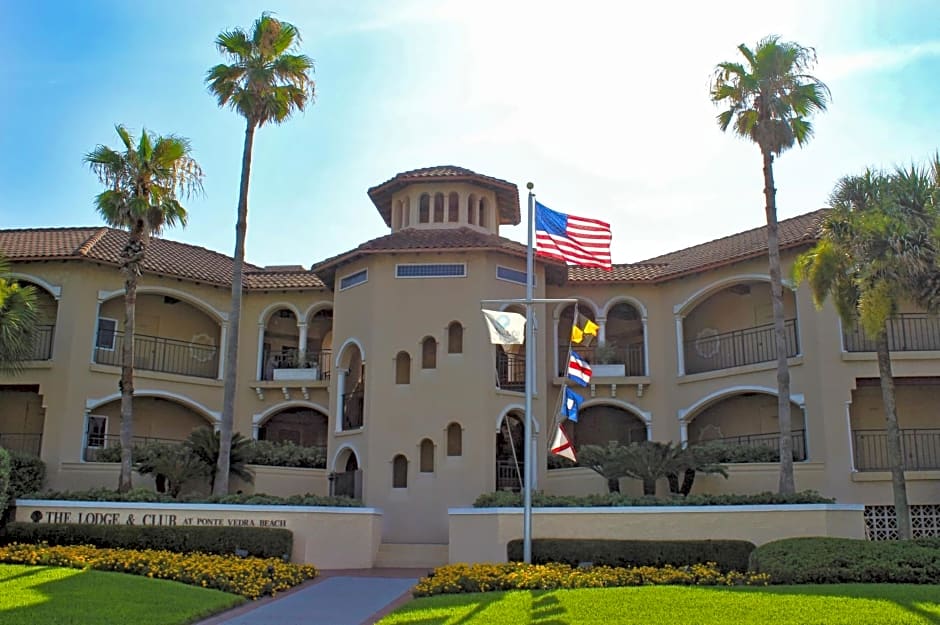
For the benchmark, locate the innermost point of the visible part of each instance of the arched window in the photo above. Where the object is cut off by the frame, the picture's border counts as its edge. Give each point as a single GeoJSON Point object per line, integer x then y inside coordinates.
{"type": "Point", "coordinates": [453, 207]}
{"type": "Point", "coordinates": [455, 338]}
{"type": "Point", "coordinates": [424, 208]}
{"type": "Point", "coordinates": [402, 368]}
{"type": "Point", "coordinates": [429, 353]}
{"type": "Point", "coordinates": [405, 209]}
{"type": "Point", "coordinates": [400, 472]}
{"type": "Point", "coordinates": [438, 208]}
{"type": "Point", "coordinates": [427, 456]}
{"type": "Point", "coordinates": [471, 209]}
{"type": "Point", "coordinates": [482, 220]}
{"type": "Point", "coordinates": [454, 440]}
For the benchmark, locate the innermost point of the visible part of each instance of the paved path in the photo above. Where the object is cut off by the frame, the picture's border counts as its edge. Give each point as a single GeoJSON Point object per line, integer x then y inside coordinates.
{"type": "Point", "coordinates": [334, 598]}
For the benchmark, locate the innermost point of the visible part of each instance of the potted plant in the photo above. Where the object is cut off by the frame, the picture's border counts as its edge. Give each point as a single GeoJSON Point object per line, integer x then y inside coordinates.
{"type": "Point", "coordinates": [297, 367]}
{"type": "Point", "coordinates": [606, 363]}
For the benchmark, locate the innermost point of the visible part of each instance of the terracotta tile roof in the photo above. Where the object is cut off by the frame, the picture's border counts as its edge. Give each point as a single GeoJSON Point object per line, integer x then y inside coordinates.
{"type": "Point", "coordinates": [507, 193]}
{"type": "Point", "coordinates": [164, 257]}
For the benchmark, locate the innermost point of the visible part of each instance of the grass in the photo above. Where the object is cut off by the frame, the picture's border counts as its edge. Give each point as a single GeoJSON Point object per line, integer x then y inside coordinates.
{"type": "Point", "coordinates": [58, 596]}
{"type": "Point", "coordinates": [837, 604]}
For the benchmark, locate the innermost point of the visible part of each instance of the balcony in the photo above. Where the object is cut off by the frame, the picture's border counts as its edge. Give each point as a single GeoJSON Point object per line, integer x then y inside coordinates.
{"type": "Point", "coordinates": [769, 441]}
{"type": "Point", "coordinates": [42, 343]}
{"type": "Point", "coordinates": [510, 371]}
{"type": "Point", "coordinates": [920, 449]}
{"type": "Point", "coordinates": [163, 355]}
{"type": "Point", "coordinates": [353, 409]}
{"type": "Point", "coordinates": [912, 332]}
{"type": "Point", "coordinates": [631, 357]}
{"type": "Point", "coordinates": [291, 365]}
{"type": "Point", "coordinates": [738, 348]}
{"type": "Point", "coordinates": [21, 442]}
{"type": "Point", "coordinates": [107, 447]}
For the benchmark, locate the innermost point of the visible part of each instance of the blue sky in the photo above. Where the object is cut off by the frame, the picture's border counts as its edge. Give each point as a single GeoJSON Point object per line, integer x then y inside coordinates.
{"type": "Point", "coordinates": [604, 107]}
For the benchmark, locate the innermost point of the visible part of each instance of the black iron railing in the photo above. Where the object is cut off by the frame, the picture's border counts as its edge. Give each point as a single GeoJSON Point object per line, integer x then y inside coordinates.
{"type": "Point", "coordinates": [510, 371]}
{"type": "Point", "coordinates": [105, 447]}
{"type": "Point", "coordinates": [155, 353]}
{"type": "Point", "coordinates": [315, 365]}
{"type": "Point", "coordinates": [42, 343]}
{"type": "Point", "coordinates": [27, 443]}
{"type": "Point", "coordinates": [771, 440]}
{"type": "Point", "coordinates": [737, 348]}
{"type": "Point", "coordinates": [920, 449]}
{"type": "Point", "coordinates": [346, 484]}
{"type": "Point", "coordinates": [630, 356]}
{"type": "Point", "coordinates": [353, 408]}
{"type": "Point", "coordinates": [912, 332]}
{"type": "Point", "coordinates": [509, 475]}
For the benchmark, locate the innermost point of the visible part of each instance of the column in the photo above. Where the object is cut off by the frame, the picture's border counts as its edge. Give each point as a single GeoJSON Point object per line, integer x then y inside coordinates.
{"type": "Point", "coordinates": [646, 347]}
{"type": "Point", "coordinates": [602, 330]}
{"type": "Point", "coordinates": [340, 386]}
{"type": "Point", "coordinates": [260, 350]}
{"type": "Point", "coordinates": [302, 341]}
{"type": "Point", "coordinates": [223, 338]}
{"type": "Point", "coordinates": [680, 347]}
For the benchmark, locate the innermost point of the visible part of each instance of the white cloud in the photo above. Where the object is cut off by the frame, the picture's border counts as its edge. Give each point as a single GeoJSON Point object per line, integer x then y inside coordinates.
{"type": "Point", "coordinates": [841, 66]}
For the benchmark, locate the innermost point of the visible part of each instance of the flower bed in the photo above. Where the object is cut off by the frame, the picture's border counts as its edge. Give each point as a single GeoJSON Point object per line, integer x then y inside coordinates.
{"type": "Point", "coordinates": [249, 577]}
{"type": "Point", "coordinates": [458, 578]}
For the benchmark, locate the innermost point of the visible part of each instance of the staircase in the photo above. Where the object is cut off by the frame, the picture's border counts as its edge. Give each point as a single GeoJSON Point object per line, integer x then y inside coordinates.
{"type": "Point", "coordinates": [411, 555]}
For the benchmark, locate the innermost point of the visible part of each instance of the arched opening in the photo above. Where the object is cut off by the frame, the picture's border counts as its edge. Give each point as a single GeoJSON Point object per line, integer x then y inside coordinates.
{"type": "Point", "coordinates": [510, 362]}
{"type": "Point", "coordinates": [472, 209]}
{"type": "Point", "coordinates": [400, 471]}
{"type": "Point", "coordinates": [157, 419]}
{"type": "Point", "coordinates": [510, 452]}
{"type": "Point", "coordinates": [747, 419]}
{"type": "Point", "coordinates": [424, 208]}
{"type": "Point", "coordinates": [280, 349]}
{"type": "Point", "coordinates": [454, 440]}
{"type": "Point", "coordinates": [603, 424]}
{"type": "Point", "coordinates": [346, 478]}
{"type": "Point", "coordinates": [22, 418]}
{"type": "Point", "coordinates": [429, 353]}
{"type": "Point", "coordinates": [299, 425]}
{"type": "Point", "coordinates": [438, 208]}
{"type": "Point", "coordinates": [48, 309]}
{"type": "Point", "coordinates": [733, 327]}
{"type": "Point", "coordinates": [171, 335]}
{"type": "Point", "coordinates": [455, 338]}
{"type": "Point", "coordinates": [402, 368]}
{"type": "Point", "coordinates": [317, 356]}
{"type": "Point", "coordinates": [352, 381]}
{"type": "Point", "coordinates": [588, 347]}
{"type": "Point", "coordinates": [482, 220]}
{"type": "Point", "coordinates": [426, 464]}
{"type": "Point", "coordinates": [453, 207]}
{"type": "Point", "coordinates": [623, 338]}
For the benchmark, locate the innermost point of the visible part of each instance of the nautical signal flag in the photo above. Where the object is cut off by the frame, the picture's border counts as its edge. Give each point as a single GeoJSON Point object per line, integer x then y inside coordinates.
{"type": "Point", "coordinates": [575, 240]}
{"type": "Point", "coordinates": [506, 328]}
{"type": "Point", "coordinates": [571, 404]}
{"type": "Point", "coordinates": [579, 369]}
{"type": "Point", "coordinates": [582, 329]}
{"type": "Point", "coordinates": [561, 446]}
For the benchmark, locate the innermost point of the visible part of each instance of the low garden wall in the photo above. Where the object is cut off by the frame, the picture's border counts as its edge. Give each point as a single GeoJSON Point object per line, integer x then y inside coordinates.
{"type": "Point", "coordinates": [481, 534]}
{"type": "Point", "coordinates": [329, 538]}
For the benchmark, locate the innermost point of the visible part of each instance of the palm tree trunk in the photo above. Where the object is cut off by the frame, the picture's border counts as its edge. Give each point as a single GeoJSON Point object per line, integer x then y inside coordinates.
{"type": "Point", "coordinates": [780, 337]}
{"type": "Point", "coordinates": [895, 454]}
{"type": "Point", "coordinates": [127, 377]}
{"type": "Point", "coordinates": [220, 486]}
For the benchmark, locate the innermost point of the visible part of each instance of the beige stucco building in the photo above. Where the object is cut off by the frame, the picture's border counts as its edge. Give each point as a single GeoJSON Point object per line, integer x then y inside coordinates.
{"type": "Point", "coordinates": [380, 356]}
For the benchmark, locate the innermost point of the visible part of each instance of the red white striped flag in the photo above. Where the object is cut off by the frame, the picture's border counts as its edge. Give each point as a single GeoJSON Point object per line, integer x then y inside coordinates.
{"type": "Point", "coordinates": [575, 240]}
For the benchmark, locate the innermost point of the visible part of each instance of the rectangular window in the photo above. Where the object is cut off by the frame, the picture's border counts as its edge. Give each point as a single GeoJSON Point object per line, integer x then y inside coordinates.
{"type": "Point", "coordinates": [441, 270]}
{"type": "Point", "coordinates": [511, 275]}
{"type": "Point", "coordinates": [353, 279]}
{"type": "Point", "coordinates": [107, 330]}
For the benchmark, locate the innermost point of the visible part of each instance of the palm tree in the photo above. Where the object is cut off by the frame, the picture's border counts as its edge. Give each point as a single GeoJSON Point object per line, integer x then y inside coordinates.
{"type": "Point", "coordinates": [266, 82]}
{"type": "Point", "coordinates": [18, 318]}
{"type": "Point", "coordinates": [769, 100]}
{"type": "Point", "coordinates": [879, 247]}
{"type": "Point", "coordinates": [143, 183]}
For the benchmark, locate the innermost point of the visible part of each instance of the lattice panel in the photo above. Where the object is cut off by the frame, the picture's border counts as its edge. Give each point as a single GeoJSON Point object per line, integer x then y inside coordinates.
{"type": "Point", "coordinates": [881, 522]}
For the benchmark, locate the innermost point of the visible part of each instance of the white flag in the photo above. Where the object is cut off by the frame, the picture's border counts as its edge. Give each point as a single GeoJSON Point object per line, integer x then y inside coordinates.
{"type": "Point", "coordinates": [506, 328]}
{"type": "Point", "coordinates": [561, 446]}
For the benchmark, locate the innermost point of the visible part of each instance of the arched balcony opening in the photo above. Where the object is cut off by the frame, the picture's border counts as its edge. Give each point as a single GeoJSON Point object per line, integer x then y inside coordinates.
{"type": "Point", "coordinates": [318, 353]}
{"type": "Point", "coordinates": [351, 386]}
{"type": "Point", "coordinates": [483, 220]}
{"type": "Point", "coordinates": [171, 335]}
{"type": "Point", "coordinates": [472, 209]}
{"type": "Point", "coordinates": [47, 308]}
{"type": "Point", "coordinates": [734, 327]}
{"type": "Point", "coordinates": [424, 208]}
{"type": "Point", "coordinates": [588, 346]}
{"type": "Point", "coordinates": [453, 207]}
{"type": "Point", "coordinates": [510, 452]}
{"type": "Point", "coordinates": [438, 208]}
{"type": "Point", "coordinates": [297, 425]}
{"type": "Point", "coordinates": [280, 349]}
{"type": "Point", "coordinates": [510, 362]}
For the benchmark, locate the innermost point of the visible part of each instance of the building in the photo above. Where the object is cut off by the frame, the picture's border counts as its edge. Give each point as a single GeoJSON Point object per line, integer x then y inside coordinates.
{"type": "Point", "coordinates": [380, 356]}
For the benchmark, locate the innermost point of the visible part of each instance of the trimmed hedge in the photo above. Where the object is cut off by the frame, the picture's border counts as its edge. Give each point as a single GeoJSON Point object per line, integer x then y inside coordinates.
{"type": "Point", "coordinates": [143, 495]}
{"type": "Point", "coordinates": [27, 474]}
{"type": "Point", "coordinates": [843, 560]}
{"type": "Point", "coordinates": [728, 555]}
{"type": "Point", "coordinates": [258, 542]}
{"type": "Point", "coordinates": [506, 499]}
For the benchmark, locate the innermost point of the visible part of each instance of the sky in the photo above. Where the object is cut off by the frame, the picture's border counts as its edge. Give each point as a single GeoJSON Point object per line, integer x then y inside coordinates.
{"type": "Point", "coordinates": [604, 106]}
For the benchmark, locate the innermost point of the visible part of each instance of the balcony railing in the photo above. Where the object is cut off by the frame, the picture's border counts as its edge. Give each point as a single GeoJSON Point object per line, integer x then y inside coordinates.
{"type": "Point", "coordinates": [312, 366]}
{"type": "Point", "coordinates": [771, 440]}
{"type": "Point", "coordinates": [920, 449]}
{"type": "Point", "coordinates": [155, 353]}
{"type": "Point", "coordinates": [911, 332]}
{"type": "Point", "coordinates": [353, 408]}
{"type": "Point", "coordinates": [42, 343]}
{"type": "Point", "coordinates": [103, 447]}
{"type": "Point", "coordinates": [630, 356]}
{"type": "Point", "coordinates": [21, 442]}
{"type": "Point", "coordinates": [510, 371]}
{"type": "Point", "coordinates": [509, 475]}
{"type": "Point", "coordinates": [738, 348]}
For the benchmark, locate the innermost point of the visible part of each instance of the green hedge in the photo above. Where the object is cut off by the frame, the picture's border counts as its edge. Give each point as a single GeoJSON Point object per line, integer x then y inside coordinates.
{"type": "Point", "coordinates": [729, 555]}
{"type": "Point", "coordinates": [260, 542]}
{"type": "Point", "coordinates": [842, 560]}
{"type": "Point", "coordinates": [27, 474]}
{"type": "Point", "coordinates": [266, 453]}
{"type": "Point", "coordinates": [506, 499]}
{"type": "Point", "coordinates": [143, 495]}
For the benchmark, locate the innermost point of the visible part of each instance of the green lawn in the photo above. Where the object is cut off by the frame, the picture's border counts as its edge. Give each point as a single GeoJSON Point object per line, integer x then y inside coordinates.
{"type": "Point", "coordinates": [842, 604]}
{"type": "Point", "coordinates": [30, 595]}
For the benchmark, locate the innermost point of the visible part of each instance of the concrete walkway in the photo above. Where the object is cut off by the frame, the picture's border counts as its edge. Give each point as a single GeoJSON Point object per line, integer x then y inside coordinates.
{"type": "Point", "coordinates": [354, 597]}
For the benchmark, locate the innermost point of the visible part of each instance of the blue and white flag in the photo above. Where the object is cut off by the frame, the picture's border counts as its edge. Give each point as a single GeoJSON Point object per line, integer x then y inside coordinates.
{"type": "Point", "coordinates": [579, 370]}
{"type": "Point", "coordinates": [571, 404]}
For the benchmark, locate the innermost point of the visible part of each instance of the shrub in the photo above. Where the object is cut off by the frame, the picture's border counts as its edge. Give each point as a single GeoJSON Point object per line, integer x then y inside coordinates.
{"type": "Point", "coordinates": [257, 541]}
{"type": "Point", "coordinates": [506, 499]}
{"type": "Point", "coordinates": [4, 481]}
{"type": "Point", "coordinates": [27, 474]}
{"type": "Point", "coordinates": [249, 577]}
{"type": "Point", "coordinates": [842, 560]}
{"type": "Point", "coordinates": [727, 555]}
{"type": "Point", "coordinates": [285, 454]}
{"type": "Point", "coordinates": [458, 578]}
{"type": "Point", "coordinates": [143, 495]}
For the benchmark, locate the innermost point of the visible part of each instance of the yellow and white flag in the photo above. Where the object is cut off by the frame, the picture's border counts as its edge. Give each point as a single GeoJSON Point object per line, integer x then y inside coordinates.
{"type": "Point", "coordinates": [506, 328]}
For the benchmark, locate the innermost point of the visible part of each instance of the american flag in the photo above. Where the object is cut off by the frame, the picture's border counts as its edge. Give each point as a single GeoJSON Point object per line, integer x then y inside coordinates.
{"type": "Point", "coordinates": [575, 240]}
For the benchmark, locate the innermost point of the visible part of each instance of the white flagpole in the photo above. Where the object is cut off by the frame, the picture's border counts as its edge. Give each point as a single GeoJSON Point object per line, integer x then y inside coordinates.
{"type": "Point", "coordinates": [529, 384]}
